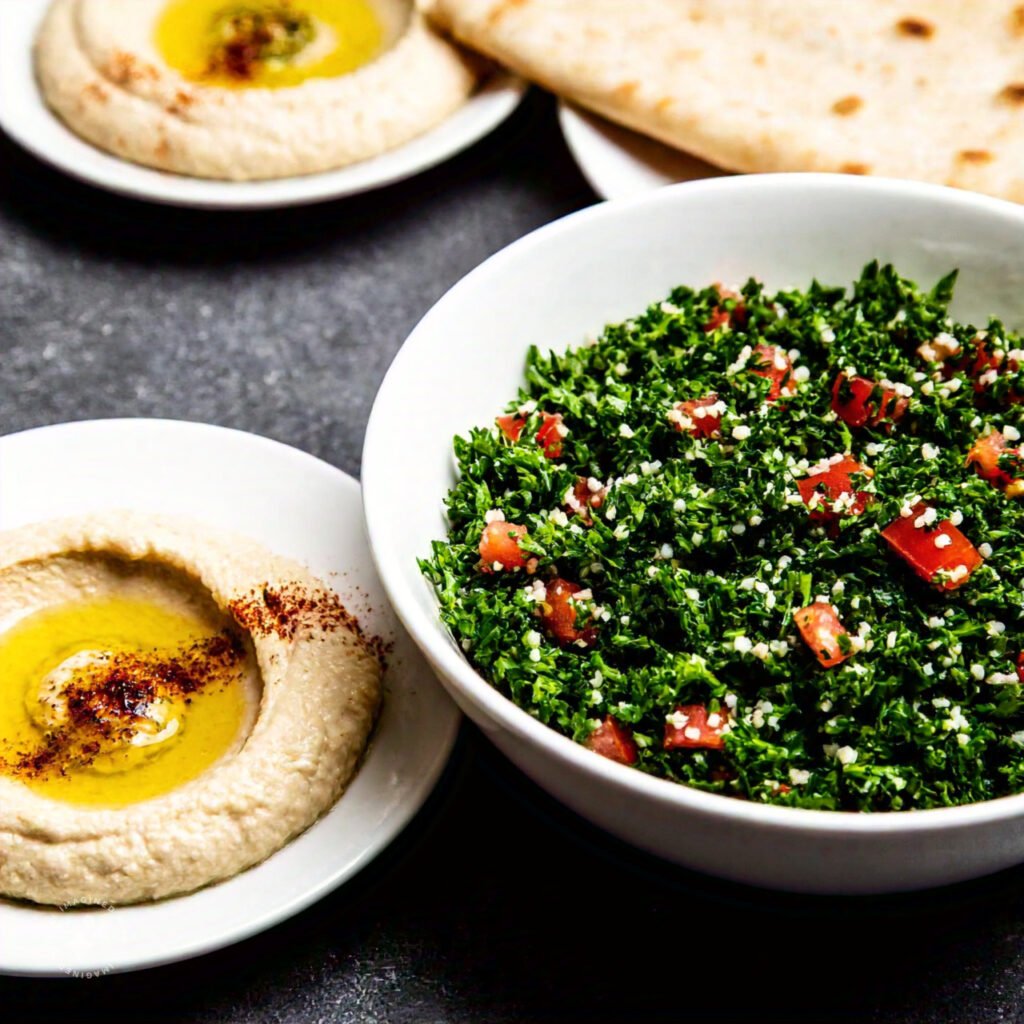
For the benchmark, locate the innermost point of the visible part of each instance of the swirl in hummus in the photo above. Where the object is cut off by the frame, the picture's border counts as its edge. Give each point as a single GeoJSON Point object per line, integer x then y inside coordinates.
{"type": "Point", "coordinates": [176, 705]}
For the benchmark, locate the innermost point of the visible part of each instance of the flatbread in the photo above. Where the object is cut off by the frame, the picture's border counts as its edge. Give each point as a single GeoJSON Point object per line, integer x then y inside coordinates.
{"type": "Point", "coordinates": [932, 90]}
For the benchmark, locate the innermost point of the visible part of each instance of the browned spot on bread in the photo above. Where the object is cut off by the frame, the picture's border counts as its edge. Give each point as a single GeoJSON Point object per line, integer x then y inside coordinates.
{"type": "Point", "coordinates": [854, 168]}
{"type": "Point", "coordinates": [916, 28]}
{"type": "Point", "coordinates": [759, 59]}
{"type": "Point", "coordinates": [162, 150]}
{"type": "Point", "coordinates": [95, 91]}
{"type": "Point", "coordinates": [500, 9]}
{"type": "Point", "coordinates": [847, 105]}
{"type": "Point", "coordinates": [1012, 93]}
{"type": "Point", "coordinates": [626, 90]}
{"type": "Point", "coordinates": [1017, 20]}
{"type": "Point", "coordinates": [663, 104]}
{"type": "Point", "coordinates": [975, 156]}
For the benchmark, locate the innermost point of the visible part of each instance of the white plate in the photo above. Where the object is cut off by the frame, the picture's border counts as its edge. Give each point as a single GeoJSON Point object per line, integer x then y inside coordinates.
{"type": "Point", "coordinates": [299, 507]}
{"type": "Point", "coordinates": [27, 119]}
{"type": "Point", "coordinates": [618, 162]}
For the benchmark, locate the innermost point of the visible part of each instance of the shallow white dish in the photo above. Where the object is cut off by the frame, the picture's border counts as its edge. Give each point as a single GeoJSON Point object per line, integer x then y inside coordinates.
{"type": "Point", "coordinates": [602, 265]}
{"type": "Point", "coordinates": [618, 162]}
{"type": "Point", "coordinates": [26, 118]}
{"type": "Point", "coordinates": [300, 507]}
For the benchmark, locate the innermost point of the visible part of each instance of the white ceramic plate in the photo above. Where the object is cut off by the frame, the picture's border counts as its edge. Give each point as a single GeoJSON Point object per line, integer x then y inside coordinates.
{"type": "Point", "coordinates": [297, 506]}
{"type": "Point", "coordinates": [27, 119]}
{"type": "Point", "coordinates": [618, 162]}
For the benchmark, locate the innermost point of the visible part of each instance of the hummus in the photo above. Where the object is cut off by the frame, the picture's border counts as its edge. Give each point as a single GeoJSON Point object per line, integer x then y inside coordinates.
{"type": "Point", "coordinates": [175, 706]}
{"type": "Point", "coordinates": [247, 89]}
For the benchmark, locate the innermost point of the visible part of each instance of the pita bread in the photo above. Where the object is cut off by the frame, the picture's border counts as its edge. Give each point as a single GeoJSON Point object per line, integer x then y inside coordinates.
{"type": "Point", "coordinates": [932, 89]}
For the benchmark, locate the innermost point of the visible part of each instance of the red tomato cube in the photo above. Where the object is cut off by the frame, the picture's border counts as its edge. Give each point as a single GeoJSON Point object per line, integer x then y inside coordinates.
{"type": "Point", "coordinates": [696, 419]}
{"type": "Point", "coordinates": [499, 546]}
{"type": "Point", "coordinates": [821, 629]}
{"type": "Point", "coordinates": [985, 455]}
{"type": "Point", "coordinates": [774, 364]}
{"type": "Point", "coordinates": [736, 317]}
{"type": "Point", "coordinates": [860, 402]}
{"type": "Point", "coordinates": [939, 554]}
{"type": "Point", "coordinates": [584, 499]}
{"type": "Point", "coordinates": [691, 727]}
{"type": "Point", "coordinates": [549, 436]}
{"type": "Point", "coordinates": [613, 740]}
{"type": "Point", "coordinates": [982, 362]}
{"type": "Point", "coordinates": [511, 426]}
{"type": "Point", "coordinates": [558, 614]}
{"type": "Point", "coordinates": [826, 487]}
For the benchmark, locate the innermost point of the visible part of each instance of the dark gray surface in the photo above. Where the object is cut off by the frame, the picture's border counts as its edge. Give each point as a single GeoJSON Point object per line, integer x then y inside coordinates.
{"type": "Point", "coordinates": [495, 905]}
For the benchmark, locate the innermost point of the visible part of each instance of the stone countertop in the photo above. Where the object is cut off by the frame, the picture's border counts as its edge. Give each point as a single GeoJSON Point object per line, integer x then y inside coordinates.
{"type": "Point", "coordinates": [496, 905]}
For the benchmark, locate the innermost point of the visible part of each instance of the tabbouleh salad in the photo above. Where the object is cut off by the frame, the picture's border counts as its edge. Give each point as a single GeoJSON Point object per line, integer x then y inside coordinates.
{"type": "Point", "coordinates": [766, 545]}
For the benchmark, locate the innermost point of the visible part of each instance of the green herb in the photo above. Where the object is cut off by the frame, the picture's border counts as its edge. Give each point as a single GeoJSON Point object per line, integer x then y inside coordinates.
{"type": "Point", "coordinates": [703, 549]}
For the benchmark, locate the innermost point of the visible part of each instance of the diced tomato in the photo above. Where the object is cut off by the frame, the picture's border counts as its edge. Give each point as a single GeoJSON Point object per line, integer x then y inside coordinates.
{"type": "Point", "coordinates": [861, 402]}
{"type": "Point", "coordinates": [1020, 666]}
{"type": "Point", "coordinates": [499, 546]}
{"type": "Point", "coordinates": [584, 500]}
{"type": "Point", "coordinates": [955, 560]}
{"type": "Point", "coordinates": [774, 364]}
{"type": "Point", "coordinates": [698, 421]}
{"type": "Point", "coordinates": [985, 455]}
{"type": "Point", "coordinates": [720, 316]}
{"type": "Point", "coordinates": [821, 629]}
{"type": "Point", "coordinates": [982, 362]}
{"type": "Point", "coordinates": [613, 740]}
{"type": "Point", "coordinates": [696, 728]}
{"type": "Point", "coordinates": [511, 426]}
{"type": "Point", "coordinates": [558, 614]}
{"type": "Point", "coordinates": [549, 436]}
{"type": "Point", "coordinates": [830, 485]}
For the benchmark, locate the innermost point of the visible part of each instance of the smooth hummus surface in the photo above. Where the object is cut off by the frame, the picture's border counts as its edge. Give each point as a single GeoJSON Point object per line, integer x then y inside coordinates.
{"type": "Point", "coordinates": [247, 89]}
{"type": "Point", "coordinates": [176, 704]}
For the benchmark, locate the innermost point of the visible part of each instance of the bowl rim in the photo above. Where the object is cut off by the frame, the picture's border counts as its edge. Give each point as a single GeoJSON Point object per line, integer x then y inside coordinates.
{"type": "Point", "coordinates": [433, 638]}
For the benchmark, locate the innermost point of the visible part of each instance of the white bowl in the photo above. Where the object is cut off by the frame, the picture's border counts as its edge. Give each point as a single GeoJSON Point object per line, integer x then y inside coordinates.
{"type": "Point", "coordinates": [463, 363]}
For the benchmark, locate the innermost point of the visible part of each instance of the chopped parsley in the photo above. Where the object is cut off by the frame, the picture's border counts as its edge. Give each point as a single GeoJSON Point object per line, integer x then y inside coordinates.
{"type": "Point", "coordinates": [656, 474]}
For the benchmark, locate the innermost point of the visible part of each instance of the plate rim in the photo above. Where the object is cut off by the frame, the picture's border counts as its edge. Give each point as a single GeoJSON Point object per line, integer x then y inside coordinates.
{"type": "Point", "coordinates": [576, 123]}
{"type": "Point", "coordinates": [501, 90]}
{"type": "Point", "coordinates": [204, 942]}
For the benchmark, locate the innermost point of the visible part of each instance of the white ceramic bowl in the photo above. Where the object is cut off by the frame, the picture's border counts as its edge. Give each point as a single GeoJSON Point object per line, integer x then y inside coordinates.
{"type": "Point", "coordinates": [464, 361]}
